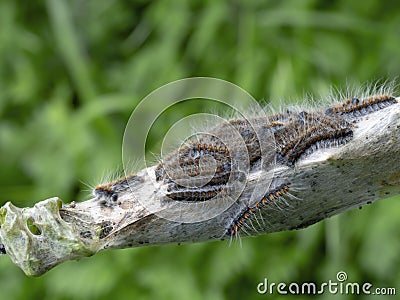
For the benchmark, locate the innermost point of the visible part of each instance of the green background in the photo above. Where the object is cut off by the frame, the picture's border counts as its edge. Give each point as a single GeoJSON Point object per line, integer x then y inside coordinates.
{"type": "Point", "coordinates": [71, 72]}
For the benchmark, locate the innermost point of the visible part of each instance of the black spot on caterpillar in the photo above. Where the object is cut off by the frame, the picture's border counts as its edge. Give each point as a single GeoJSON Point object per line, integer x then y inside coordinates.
{"type": "Point", "coordinates": [105, 229]}
{"type": "Point", "coordinates": [237, 224]}
{"type": "Point", "coordinates": [355, 107]}
{"type": "Point", "coordinates": [2, 249]}
{"type": "Point", "coordinates": [86, 234]}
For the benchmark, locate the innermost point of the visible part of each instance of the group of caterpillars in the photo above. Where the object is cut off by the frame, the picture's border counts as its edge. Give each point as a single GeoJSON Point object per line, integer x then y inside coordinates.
{"type": "Point", "coordinates": [191, 178]}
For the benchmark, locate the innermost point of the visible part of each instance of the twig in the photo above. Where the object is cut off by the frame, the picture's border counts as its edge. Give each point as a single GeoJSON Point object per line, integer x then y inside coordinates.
{"type": "Point", "coordinates": [321, 185]}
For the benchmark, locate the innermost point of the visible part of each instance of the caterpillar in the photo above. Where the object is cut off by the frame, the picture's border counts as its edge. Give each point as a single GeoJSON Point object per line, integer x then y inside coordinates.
{"type": "Point", "coordinates": [239, 222]}
{"type": "Point", "coordinates": [196, 194]}
{"type": "Point", "coordinates": [308, 132]}
{"type": "Point", "coordinates": [317, 138]}
{"type": "Point", "coordinates": [310, 140]}
{"type": "Point", "coordinates": [108, 193]}
{"type": "Point", "coordinates": [355, 107]}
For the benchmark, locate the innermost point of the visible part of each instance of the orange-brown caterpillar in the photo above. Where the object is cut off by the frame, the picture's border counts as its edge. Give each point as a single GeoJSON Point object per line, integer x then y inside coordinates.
{"type": "Point", "coordinates": [308, 132]}
{"type": "Point", "coordinates": [238, 223]}
{"type": "Point", "coordinates": [359, 107]}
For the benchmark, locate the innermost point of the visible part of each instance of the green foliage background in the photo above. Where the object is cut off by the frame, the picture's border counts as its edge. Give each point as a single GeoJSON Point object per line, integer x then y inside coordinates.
{"type": "Point", "coordinates": [71, 72]}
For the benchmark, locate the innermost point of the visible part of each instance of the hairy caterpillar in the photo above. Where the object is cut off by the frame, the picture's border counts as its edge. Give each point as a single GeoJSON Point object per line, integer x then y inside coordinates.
{"type": "Point", "coordinates": [196, 194]}
{"type": "Point", "coordinates": [240, 221]}
{"type": "Point", "coordinates": [308, 133]}
{"type": "Point", "coordinates": [108, 193]}
{"type": "Point", "coordinates": [356, 107]}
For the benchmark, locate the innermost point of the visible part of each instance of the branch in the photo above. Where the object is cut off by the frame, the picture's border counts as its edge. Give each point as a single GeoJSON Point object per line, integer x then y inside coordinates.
{"type": "Point", "coordinates": [322, 184]}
